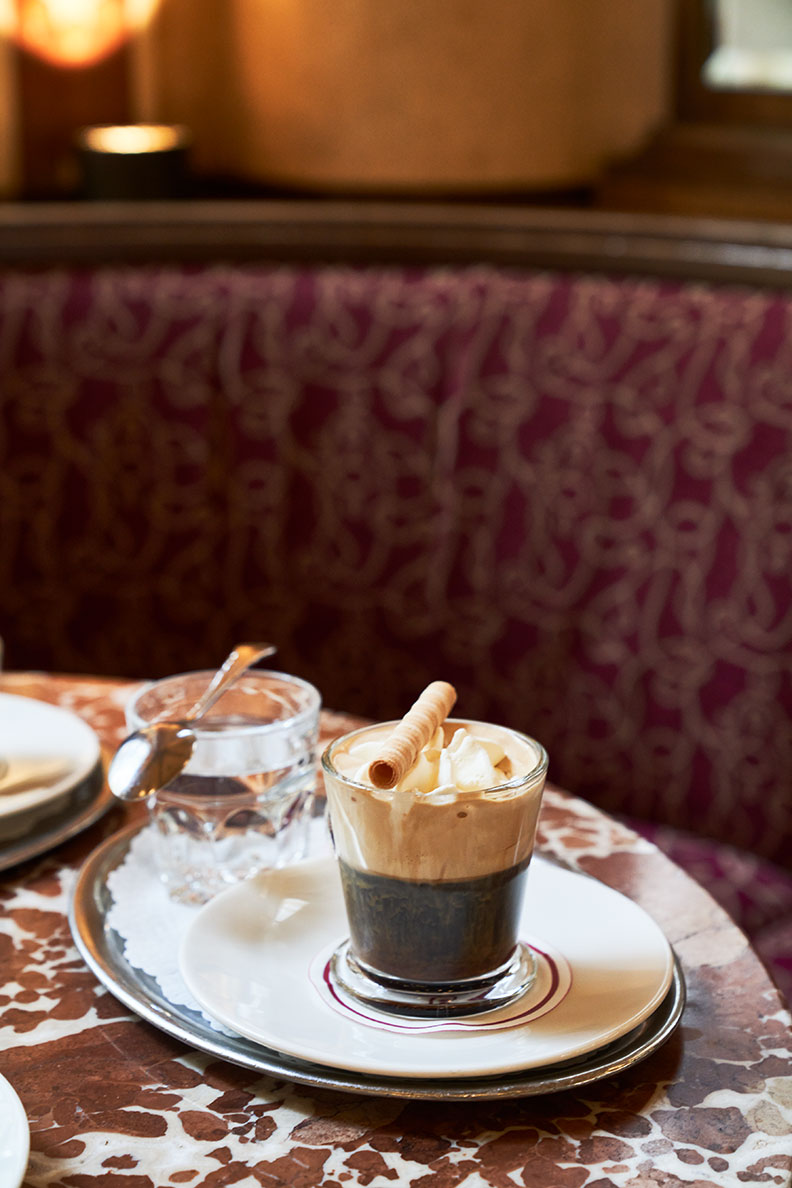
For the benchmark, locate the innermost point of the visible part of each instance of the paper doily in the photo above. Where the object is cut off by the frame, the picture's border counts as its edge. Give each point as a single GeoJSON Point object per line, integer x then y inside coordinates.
{"type": "Point", "coordinates": [152, 925]}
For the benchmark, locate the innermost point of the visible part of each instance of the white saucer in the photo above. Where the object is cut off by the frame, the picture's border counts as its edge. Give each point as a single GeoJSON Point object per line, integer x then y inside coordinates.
{"type": "Point", "coordinates": [46, 753]}
{"type": "Point", "coordinates": [248, 958]}
{"type": "Point", "coordinates": [14, 1137]}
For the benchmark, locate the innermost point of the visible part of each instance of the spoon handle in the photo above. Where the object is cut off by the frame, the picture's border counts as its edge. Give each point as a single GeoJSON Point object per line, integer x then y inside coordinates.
{"type": "Point", "coordinates": [241, 658]}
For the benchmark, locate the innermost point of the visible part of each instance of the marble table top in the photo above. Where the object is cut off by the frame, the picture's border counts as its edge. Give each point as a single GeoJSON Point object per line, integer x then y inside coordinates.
{"type": "Point", "coordinates": [113, 1101]}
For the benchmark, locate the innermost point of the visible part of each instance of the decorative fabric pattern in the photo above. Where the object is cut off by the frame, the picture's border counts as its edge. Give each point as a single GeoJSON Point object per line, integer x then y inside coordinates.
{"type": "Point", "coordinates": [757, 894]}
{"type": "Point", "coordinates": [569, 495]}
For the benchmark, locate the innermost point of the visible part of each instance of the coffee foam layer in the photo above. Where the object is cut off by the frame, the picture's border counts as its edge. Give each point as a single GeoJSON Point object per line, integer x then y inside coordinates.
{"type": "Point", "coordinates": [442, 834]}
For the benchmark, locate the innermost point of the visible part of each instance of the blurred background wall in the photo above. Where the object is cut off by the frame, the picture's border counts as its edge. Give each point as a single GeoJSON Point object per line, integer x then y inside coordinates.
{"type": "Point", "coordinates": [461, 95]}
{"type": "Point", "coordinates": [456, 96]}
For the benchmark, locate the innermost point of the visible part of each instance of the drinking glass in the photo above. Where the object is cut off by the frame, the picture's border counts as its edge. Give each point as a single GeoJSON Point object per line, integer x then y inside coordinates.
{"type": "Point", "coordinates": [243, 802]}
{"type": "Point", "coordinates": [434, 882]}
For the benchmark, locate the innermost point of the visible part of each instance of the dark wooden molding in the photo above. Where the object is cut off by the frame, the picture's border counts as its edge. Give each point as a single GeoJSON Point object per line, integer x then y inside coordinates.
{"type": "Point", "coordinates": [54, 101]}
{"type": "Point", "coordinates": [83, 234]}
{"type": "Point", "coordinates": [724, 153]}
{"type": "Point", "coordinates": [706, 170]}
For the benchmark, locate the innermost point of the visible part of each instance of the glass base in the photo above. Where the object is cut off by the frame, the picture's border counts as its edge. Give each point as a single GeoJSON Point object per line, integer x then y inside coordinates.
{"type": "Point", "coordinates": [433, 1000]}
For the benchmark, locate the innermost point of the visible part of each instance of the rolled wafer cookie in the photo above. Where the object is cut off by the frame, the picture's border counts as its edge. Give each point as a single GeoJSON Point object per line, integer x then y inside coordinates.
{"type": "Point", "coordinates": [401, 749]}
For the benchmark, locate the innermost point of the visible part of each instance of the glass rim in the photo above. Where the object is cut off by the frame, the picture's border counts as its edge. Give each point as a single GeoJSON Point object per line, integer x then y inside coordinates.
{"type": "Point", "coordinates": [515, 782]}
{"type": "Point", "coordinates": [301, 716]}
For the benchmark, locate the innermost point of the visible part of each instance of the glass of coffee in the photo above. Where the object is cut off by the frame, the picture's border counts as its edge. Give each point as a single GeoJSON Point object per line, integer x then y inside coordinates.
{"type": "Point", "coordinates": [433, 867]}
{"type": "Point", "coordinates": [243, 802]}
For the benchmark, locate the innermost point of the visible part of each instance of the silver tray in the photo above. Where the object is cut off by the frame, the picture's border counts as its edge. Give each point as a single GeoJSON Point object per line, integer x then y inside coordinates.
{"type": "Point", "coordinates": [103, 951]}
{"type": "Point", "coordinates": [91, 801]}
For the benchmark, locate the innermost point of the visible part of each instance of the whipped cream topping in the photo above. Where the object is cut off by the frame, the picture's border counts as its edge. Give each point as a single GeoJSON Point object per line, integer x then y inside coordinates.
{"type": "Point", "coordinates": [467, 807]}
{"type": "Point", "coordinates": [466, 763]}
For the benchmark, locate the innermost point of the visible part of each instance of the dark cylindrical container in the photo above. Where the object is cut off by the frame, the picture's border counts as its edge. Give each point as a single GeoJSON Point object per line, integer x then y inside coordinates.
{"type": "Point", "coordinates": [129, 162]}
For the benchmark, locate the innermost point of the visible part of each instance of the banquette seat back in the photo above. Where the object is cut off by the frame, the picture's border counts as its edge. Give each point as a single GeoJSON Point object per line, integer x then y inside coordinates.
{"type": "Point", "coordinates": [546, 461]}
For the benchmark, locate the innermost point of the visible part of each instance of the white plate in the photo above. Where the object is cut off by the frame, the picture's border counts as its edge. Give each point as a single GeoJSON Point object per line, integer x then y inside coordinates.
{"type": "Point", "coordinates": [249, 958]}
{"type": "Point", "coordinates": [49, 752]}
{"type": "Point", "coordinates": [14, 1137]}
{"type": "Point", "coordinates": [93, 801]}
{"type": "Point", "coordinates": [104, 952]}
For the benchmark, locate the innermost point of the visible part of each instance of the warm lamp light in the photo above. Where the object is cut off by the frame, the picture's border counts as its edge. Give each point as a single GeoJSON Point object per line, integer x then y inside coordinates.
{"type": "Point", "coordinates": [73, 32]}
{"type": "Point", "coordinates": [133, 138]}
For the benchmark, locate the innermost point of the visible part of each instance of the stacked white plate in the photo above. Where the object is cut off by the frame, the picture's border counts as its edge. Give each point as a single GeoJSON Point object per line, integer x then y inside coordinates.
{"type": "Point", "coordinates": [256, 959]}
{"type": "Point", "coordinates": [48, 757]}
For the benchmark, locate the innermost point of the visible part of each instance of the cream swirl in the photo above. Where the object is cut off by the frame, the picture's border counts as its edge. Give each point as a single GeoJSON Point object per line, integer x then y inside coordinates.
{"type": "Point", "coordinates": [467, 807]}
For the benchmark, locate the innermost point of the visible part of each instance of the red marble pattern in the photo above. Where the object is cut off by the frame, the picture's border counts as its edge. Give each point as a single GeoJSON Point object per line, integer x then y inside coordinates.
{"type": "Point", "coordinates": [114, 1103]}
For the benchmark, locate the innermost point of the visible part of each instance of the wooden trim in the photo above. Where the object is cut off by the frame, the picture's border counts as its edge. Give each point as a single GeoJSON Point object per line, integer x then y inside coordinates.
{"type": "Point", "coordinates": [724, 154]}
{"type": "Point", "coordinates": [713, 171]}
{"type": "Point", "coordinates": [54, 101]}
{"type": "Point", "coordinates": [694, 38]}
{"type": "Point", "coordinates": [422, 234]}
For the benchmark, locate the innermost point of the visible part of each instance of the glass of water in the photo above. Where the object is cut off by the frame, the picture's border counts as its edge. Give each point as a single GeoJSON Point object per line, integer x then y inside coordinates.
{"type": "Point", "coordinates": [243, 802]}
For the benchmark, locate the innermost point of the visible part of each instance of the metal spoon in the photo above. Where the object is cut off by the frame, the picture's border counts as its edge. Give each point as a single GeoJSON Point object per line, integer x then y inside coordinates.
{"type": "Point", "coordinates": [151, 757]}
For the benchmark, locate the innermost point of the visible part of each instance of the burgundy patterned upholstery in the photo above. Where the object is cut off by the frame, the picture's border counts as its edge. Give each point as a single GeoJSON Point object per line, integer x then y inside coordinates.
{"type": "Point", "coordinates": [756, 893]}
{"type": "Point", "coordinates": [570, 495]}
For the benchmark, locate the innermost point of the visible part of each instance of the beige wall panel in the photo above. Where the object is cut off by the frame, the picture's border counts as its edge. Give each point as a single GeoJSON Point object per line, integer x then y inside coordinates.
{"type": "Point", "coordinates": [365, 94]}
{"type": "Point", "coordinates": [183, 72]}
